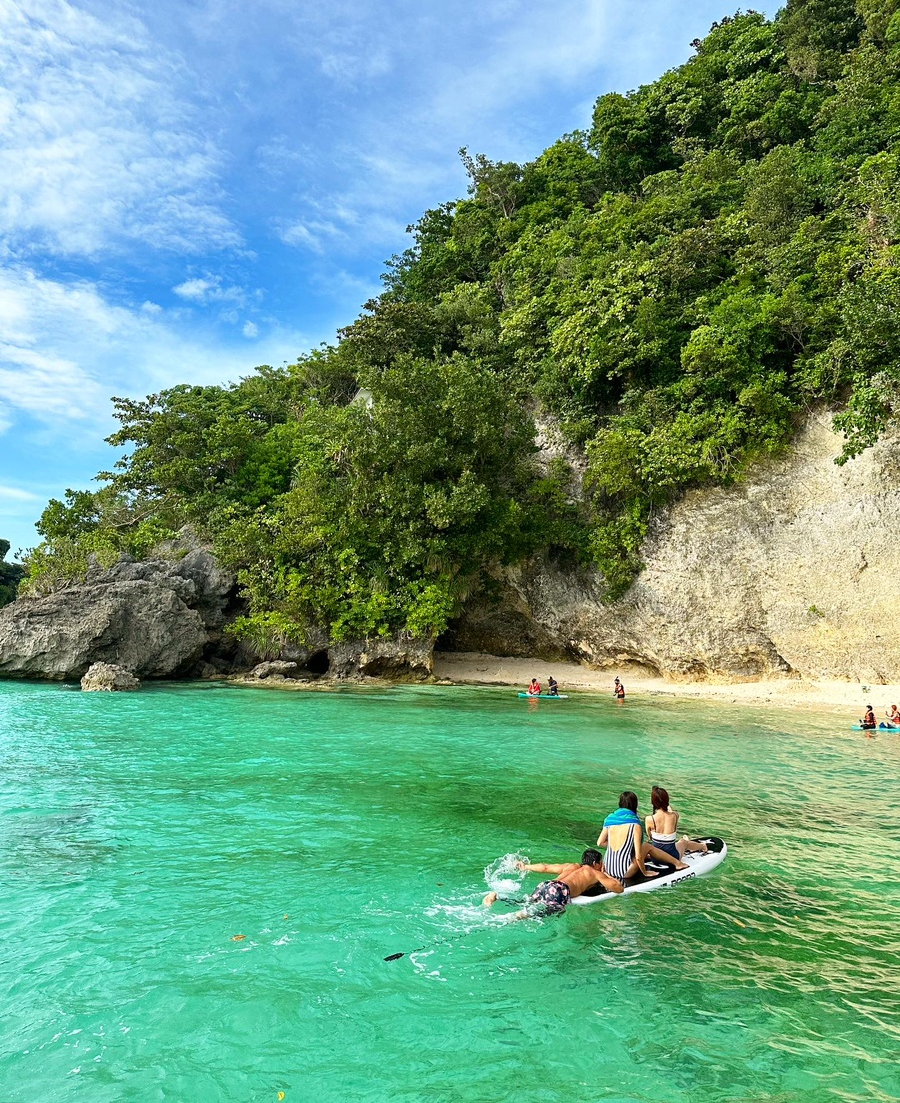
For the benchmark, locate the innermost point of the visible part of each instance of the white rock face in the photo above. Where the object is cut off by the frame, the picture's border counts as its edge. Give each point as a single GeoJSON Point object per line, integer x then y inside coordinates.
{"type": "Point", "coordinates": [796, 571]}
{"type": "Point", "coordinates": [110, 678]}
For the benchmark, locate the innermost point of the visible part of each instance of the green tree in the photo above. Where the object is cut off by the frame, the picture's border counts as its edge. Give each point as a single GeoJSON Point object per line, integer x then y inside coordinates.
{"type": "Point", "coordinates": [10, 576]}
{"type": "Point", "coordinates": [817, 35]}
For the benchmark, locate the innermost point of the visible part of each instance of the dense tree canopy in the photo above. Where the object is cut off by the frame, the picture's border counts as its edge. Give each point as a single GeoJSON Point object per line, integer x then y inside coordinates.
{"type": "Point", "coordinates": [674, 286]}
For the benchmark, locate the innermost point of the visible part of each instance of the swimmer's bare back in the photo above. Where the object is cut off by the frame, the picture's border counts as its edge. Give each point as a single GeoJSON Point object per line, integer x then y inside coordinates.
{"type": "Point", "coordinates": [573, 874]}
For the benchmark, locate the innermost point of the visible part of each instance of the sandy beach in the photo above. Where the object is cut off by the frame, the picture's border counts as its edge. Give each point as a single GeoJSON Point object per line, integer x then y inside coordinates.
{"type": "Point", "coordinates": [472, 668]}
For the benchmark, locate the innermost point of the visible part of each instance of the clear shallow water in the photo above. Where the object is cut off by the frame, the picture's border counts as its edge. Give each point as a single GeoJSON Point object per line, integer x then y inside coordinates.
{"type": "Point", "coordinates": [140, 833]}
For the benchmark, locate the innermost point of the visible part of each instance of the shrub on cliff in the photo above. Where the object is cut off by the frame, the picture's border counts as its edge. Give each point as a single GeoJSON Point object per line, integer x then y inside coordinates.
{"type": "Point", "coordinates": [10, 576]}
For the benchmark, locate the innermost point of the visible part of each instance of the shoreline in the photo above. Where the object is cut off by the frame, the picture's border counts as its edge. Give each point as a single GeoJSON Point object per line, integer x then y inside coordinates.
{"type": "Point", "coordinates": [474, 668]}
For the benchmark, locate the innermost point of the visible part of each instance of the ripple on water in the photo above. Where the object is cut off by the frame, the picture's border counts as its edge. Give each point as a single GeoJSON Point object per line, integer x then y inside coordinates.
{"type": "Point", "coordinates": [202, 886]}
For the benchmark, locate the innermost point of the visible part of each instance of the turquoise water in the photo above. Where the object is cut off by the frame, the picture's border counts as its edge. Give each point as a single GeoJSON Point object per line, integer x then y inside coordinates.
{"type": "Point", "coordinates": [139, 834]}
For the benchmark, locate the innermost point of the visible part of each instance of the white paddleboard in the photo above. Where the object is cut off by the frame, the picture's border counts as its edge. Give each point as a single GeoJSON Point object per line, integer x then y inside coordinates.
{"type": "Point", "coordinates": [698, 866]}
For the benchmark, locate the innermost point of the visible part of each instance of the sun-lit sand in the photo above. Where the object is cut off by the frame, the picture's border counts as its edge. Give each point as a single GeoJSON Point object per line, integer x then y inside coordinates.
{"type": "Point", "coordinates": [471, 668]}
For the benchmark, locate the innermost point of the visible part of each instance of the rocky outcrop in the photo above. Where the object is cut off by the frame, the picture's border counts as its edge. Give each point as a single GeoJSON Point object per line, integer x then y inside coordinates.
{"type": "Point", "coordinates": [109, 678]}
{"type": "Point", "coordinates": [394, 657]}
{"type": "Point", "coordinates": [158, 618]}
{"type": "Point", "coordinates": [795, 571]}
{"type": "Point", "coordinates": [275, 669]}
{"type": "Point", "coordinates": [382, 657]}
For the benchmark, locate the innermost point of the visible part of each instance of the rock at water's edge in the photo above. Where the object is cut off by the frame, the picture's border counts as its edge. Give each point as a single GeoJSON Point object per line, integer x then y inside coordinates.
{"type": "Point", "coordinates": [382, 657]}
{"type": "Point", "coordinates": [109, 677]}
{"type": "Point", "coordinates": [142, 626]}
{"type": "Point", "coordinates": [277, 668]}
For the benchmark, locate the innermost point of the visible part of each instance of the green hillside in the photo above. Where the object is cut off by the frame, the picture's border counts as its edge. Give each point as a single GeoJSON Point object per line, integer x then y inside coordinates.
{"type": "Point", "coordinates": [674, 287]}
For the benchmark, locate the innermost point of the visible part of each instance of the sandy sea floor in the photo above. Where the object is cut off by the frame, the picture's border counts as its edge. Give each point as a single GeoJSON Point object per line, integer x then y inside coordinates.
{"type": "Point", "coordinates": [472, 668]}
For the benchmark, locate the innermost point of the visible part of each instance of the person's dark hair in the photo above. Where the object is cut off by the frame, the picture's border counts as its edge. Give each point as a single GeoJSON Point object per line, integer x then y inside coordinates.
{"type": "Point", "coordinates": [591, 858]}
{"type": "Point", "coordinates": [628, 800]}
{"type": "Point", "coordinates": [659, 798]}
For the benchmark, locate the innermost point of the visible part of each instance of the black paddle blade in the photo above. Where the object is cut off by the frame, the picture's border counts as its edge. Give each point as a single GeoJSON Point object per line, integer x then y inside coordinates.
{"type": "Point", "coordinates": [393, 957]}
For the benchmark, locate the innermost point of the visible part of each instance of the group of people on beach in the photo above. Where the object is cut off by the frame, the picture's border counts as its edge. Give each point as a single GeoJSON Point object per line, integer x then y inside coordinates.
{"type": "Point", "coordinates": [869, 721]}
{"type": "Point", "coordinates": [626, 855]}
{"type": "Point", "coordinates": [534, 688]}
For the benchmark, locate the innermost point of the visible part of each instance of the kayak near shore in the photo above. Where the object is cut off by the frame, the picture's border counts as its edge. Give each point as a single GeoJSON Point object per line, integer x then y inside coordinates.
{"type": "Point", "coordinates": [545, 696]}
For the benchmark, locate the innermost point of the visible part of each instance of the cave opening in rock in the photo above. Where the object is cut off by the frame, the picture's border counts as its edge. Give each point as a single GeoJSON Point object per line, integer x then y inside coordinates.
{"type": "Point", "coordinates": [318, 663]}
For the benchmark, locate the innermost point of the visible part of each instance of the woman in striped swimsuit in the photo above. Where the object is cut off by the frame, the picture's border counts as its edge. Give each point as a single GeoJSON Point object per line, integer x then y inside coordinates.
{"type": "Point", "coordinates": [623, 836]}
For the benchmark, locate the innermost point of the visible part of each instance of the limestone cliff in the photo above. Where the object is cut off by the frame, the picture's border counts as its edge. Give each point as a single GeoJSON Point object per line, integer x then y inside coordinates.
{"type": "Point", "coordinates": [796, 570]}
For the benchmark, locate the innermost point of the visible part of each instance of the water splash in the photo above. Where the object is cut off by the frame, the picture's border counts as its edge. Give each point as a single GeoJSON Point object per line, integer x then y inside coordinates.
{"type": "Point", "coordinates": [503, 876]}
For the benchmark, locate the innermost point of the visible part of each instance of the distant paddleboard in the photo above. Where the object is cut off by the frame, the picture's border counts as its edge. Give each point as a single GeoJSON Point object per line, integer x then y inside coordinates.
{"type": "Point", "coordinates": [698, 866]}
{"type": "Point", "coordinates": [882, 727]}
{"type": "Point", "coordinates": [546, 696]}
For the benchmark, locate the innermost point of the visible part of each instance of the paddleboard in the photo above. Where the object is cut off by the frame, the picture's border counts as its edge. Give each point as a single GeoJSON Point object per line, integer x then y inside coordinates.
{"type": "Point", "coordinates": [698, 866]}
{"type": "Point", "coordinates": [546, 696]}
{"type": "Point", "coordinates": [881, 728]}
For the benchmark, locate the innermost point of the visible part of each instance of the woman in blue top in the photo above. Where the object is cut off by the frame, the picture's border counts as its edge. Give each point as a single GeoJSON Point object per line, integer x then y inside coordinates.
{"type": "Point", "coordinates": [623, 835]}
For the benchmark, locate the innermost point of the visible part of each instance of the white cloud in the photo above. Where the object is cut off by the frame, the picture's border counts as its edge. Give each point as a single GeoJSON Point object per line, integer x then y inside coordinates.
{"type": "Point", "coordinates": [209, 289]}
{"type": "Point", "coordinates": [14, 493]}
{"type": "Point", "coordinates": [97, 144]}
{"type": "Point", "coordinates": [66, 349]}
{"type": "Point", "coordinates": [251, 329]}
{"type": "Point", "coordinates": [196, 289]}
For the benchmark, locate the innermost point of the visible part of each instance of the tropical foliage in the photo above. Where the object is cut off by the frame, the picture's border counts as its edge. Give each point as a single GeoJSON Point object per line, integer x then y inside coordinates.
{"type": "Point", "coordinates": [10, 574]}
{"type": "Point", "coordinates": [674, 287]}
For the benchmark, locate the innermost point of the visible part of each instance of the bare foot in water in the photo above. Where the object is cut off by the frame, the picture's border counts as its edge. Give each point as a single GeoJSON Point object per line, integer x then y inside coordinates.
{"type": "Point", "coordinates": [490, 899]}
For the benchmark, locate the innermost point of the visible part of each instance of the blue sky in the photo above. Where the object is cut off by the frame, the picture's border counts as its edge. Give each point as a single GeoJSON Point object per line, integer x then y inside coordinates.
{"type": "Point", "coordinates": [189, 188]}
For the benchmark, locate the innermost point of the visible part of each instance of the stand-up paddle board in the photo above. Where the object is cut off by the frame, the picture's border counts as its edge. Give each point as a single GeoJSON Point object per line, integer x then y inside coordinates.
{"type": "Point", "coordinates": [546, 696]}
{"type": "Point", "coordinates": [698, 866]}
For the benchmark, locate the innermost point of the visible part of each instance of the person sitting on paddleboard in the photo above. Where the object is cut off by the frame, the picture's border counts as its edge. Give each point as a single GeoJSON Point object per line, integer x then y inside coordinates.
{"type": "Point", "coordinates": [868, 721]}
{"type": "Point", "coordinates": [553, 687]}
{"type": "Point", "coordinates": [623, 835]}
{"type": "Point", "coordinates": [618, 690]}
{"type": "Point", "coordinates": [893, 717]}
{"type": "Point", "coordinates": [534, 689]}
{"type": "Point", "coordinates": [662, 827]}
{"type": "Point", "coordinates": [553, 897]}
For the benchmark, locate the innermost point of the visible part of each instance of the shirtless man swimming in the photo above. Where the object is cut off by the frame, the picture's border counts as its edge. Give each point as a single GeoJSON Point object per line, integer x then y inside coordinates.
{"type": "Point", "coordinates": [552, 897]}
